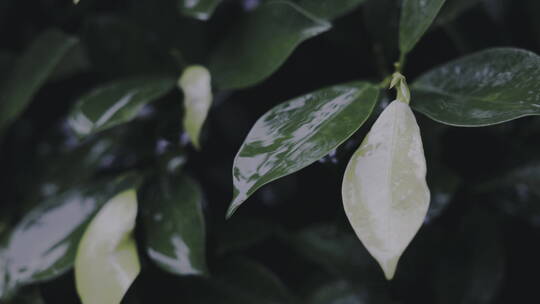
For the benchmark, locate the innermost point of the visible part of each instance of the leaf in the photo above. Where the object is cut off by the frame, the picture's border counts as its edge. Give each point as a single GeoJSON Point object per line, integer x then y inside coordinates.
{"type": "Point", "coordinates": [116, 103]}
{"type": "Point", "coordinates": [329, 10]}
{"type": "Point", "coordinates": [43, 244]}
{"type": "Point", "coordinates": [196, 84]}
{"type": "Point", "coordinates": [384, 190]}
{"type": "Point", "coordinates": [107, 262]}
{"type": "Point", "coordinates": [471, 264]}
{"type": "Point", "coordinates": [453, 9]}
{"type": "Point", "coordinates": [261, 43]}
{"type": "Point", "coordinates": [30, 72]}
{"type": "Point", "coordinates": [337, 252]}
{"type": "Point", "coordinates": [416, 17]}
{"type": "Point", "coordinates": [198, 9]}
{"type": "Point", "coordinates": [248, 282]}
{"type": "Point", "coordinates": [174, 226]}
{"type": "Point", "coordinates": [486, 88]}
{"type": "Point", "coordinates": [297, 133]}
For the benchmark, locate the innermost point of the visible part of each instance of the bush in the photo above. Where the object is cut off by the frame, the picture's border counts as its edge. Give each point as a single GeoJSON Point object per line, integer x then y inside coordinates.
{"type": "Point", "coordinates": [120, 122]}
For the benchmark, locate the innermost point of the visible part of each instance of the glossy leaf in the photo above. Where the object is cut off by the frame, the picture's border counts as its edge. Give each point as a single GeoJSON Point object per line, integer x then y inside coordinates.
{"type": "Point", "coordinates": [198, 9]}
{"type": "Point", "coordinates": [195, 82]}
{"type": "Point", "coordinates": [174, 226]}
{"type": "Point", "coordinates": [116, 103]}
{"type": "Point", "coordinates": [416, 17]}
{"type": "Point", "coordinates": [30, 72]}
{"type": "Point", "coordinates": [297, 133]}
{"type": "Point", "coordinates": [107, 262]}
{"type": "Point", "coordinates": [43, 244]}
{"type": "Point", "coordinates": [486, 88]}
{"type": "Point", "coordinates": [261, 43]}
{"type": "Point", "coordinates": [384, 189]}
{"type": "Point", "coordinates": [329, 9]}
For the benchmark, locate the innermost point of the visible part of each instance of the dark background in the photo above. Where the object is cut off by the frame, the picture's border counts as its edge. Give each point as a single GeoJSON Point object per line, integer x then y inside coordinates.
{"type": "Point", "coordinates": [478, 246]}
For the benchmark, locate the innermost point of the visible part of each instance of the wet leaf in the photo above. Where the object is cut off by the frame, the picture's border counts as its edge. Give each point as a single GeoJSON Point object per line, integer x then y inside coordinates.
{"type": "Point", "coordinates": [198, 9]}
{"type": "Point", "coordinates": [196, 84]}
{"type": "Point", "coordinates": [43, 244]}
{"type": "Point", "coordinates": [384, 190]}
{"type": "Point", "coordinates": [107, 262]}
{"type": "Point", "coordinates": [261, 43]}
{"type": "Point", "coordinates": [297, 133]}
{"type": "Point", "coordinates": [174, 226]}
{"type": "Point", "coordinates": [116, 103]}
{"type": "Point", "coordinates": [330, 9]}
{"type": "Point", "coordinates": [30, 72]}
{"type": "Point", "coordinates": [486, 88]}
{"type": "Point", "coordinates": [416, 17]}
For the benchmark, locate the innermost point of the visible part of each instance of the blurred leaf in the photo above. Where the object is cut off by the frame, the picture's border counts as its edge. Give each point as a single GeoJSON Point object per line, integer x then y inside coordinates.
{"type": "Point", "coordinates": [30, 72]}
{"type": "Point", "coordinates": [250, 282]}
{"type": "Point", "coordinates": [116, 103]}
{"type": "Point", "coordinates": [42, 245]}
{"type": "Point", "coordinates": [517, 193]}
{"type": "Point", "coordinates": [384, 188]}
{"type": "Point", "coordinates": [381, 18]}
{"type": "Point", "coordinates": [198, 9]}
{"type": "Point", "coordinates": [6, 63]}
{"type": "Point", "coordinates": [453, 8]}
{"type": "Point", "coordinates": [338, 252]}
{"type": "Point", "coordinates": [486, 88]}
{"type": "Point", "coordinates": [338, 292]}
{"type": "Point", "coordinates": [329, 9]}
{"type": "Point", "coordinates": [443, 183]}
{"type": "Point", "coordinates": [416, 17]}
{"type": "Point", "coordinates": [297, 133]}
{"type": "Point", "coordinates": [74, 61]}
{"type": "Point", "coordinates": [107, 262]}
{"type": "Point", "coordinates": [242, 233]}
{"type": "Point", "coordinates": [471, 267]}
{"type": "Point", "coordinates": [196, 85]}
{"type": "Point", "coordinates": [30, 295]}
{"type": "Point", "coordinates": [261, 43]}
{"type": "Point", "coordinates": [174, 226]}
{"type": "Point", "coordinates": [118, 47]}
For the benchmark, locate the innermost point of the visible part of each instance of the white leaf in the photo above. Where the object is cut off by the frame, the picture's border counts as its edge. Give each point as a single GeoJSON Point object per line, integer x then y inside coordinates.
{"type": "Point", "coordinates": [107, 262]}
{"type": "Point", "coordinates": [384, 190]}
{"type": "Point", "coordinates": [195, 82]}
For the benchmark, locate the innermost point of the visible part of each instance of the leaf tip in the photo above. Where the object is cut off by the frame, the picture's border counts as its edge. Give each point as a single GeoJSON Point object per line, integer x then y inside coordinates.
{"type": "Point", "coordinates": [389, 266]}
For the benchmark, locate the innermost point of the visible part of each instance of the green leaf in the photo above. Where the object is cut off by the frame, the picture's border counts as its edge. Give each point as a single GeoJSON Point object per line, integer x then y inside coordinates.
{"type": "Point", "coordinates": [174, 226]}
{"type": "Point", "coordinates": [416, 17]}
{"type": "Point", "coordinates": [6, 63]}
{"type": "Point", "coordinates": [198, 9]}
{"type": "Point", "coordinates": [297, 133]}
{"type": "Point", "coordinates": [249, 282]}
{"type": "Point", "coordinates": [30, 72]}
{"type": "Point", "coordinates": [486, 88]}
{"type": "Point", "coordinates": [195, 82]}
{"type": "Point", "coordinates": [384, 190]}
{"type": "Point", "coordinates": [336, 251]}
{"type": "Point", "coordinates": [116, 103]}
{"type": "Point", "coordinates": [453, 9]}
{"type": "Point", "coordinates": [329, 10]}
{"type": "Point", "coordinates": [60, 221]}
{"type": "Point", "coordinates": [261, 43]}
{"type": "Point", "coordinates": [107, 262]}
